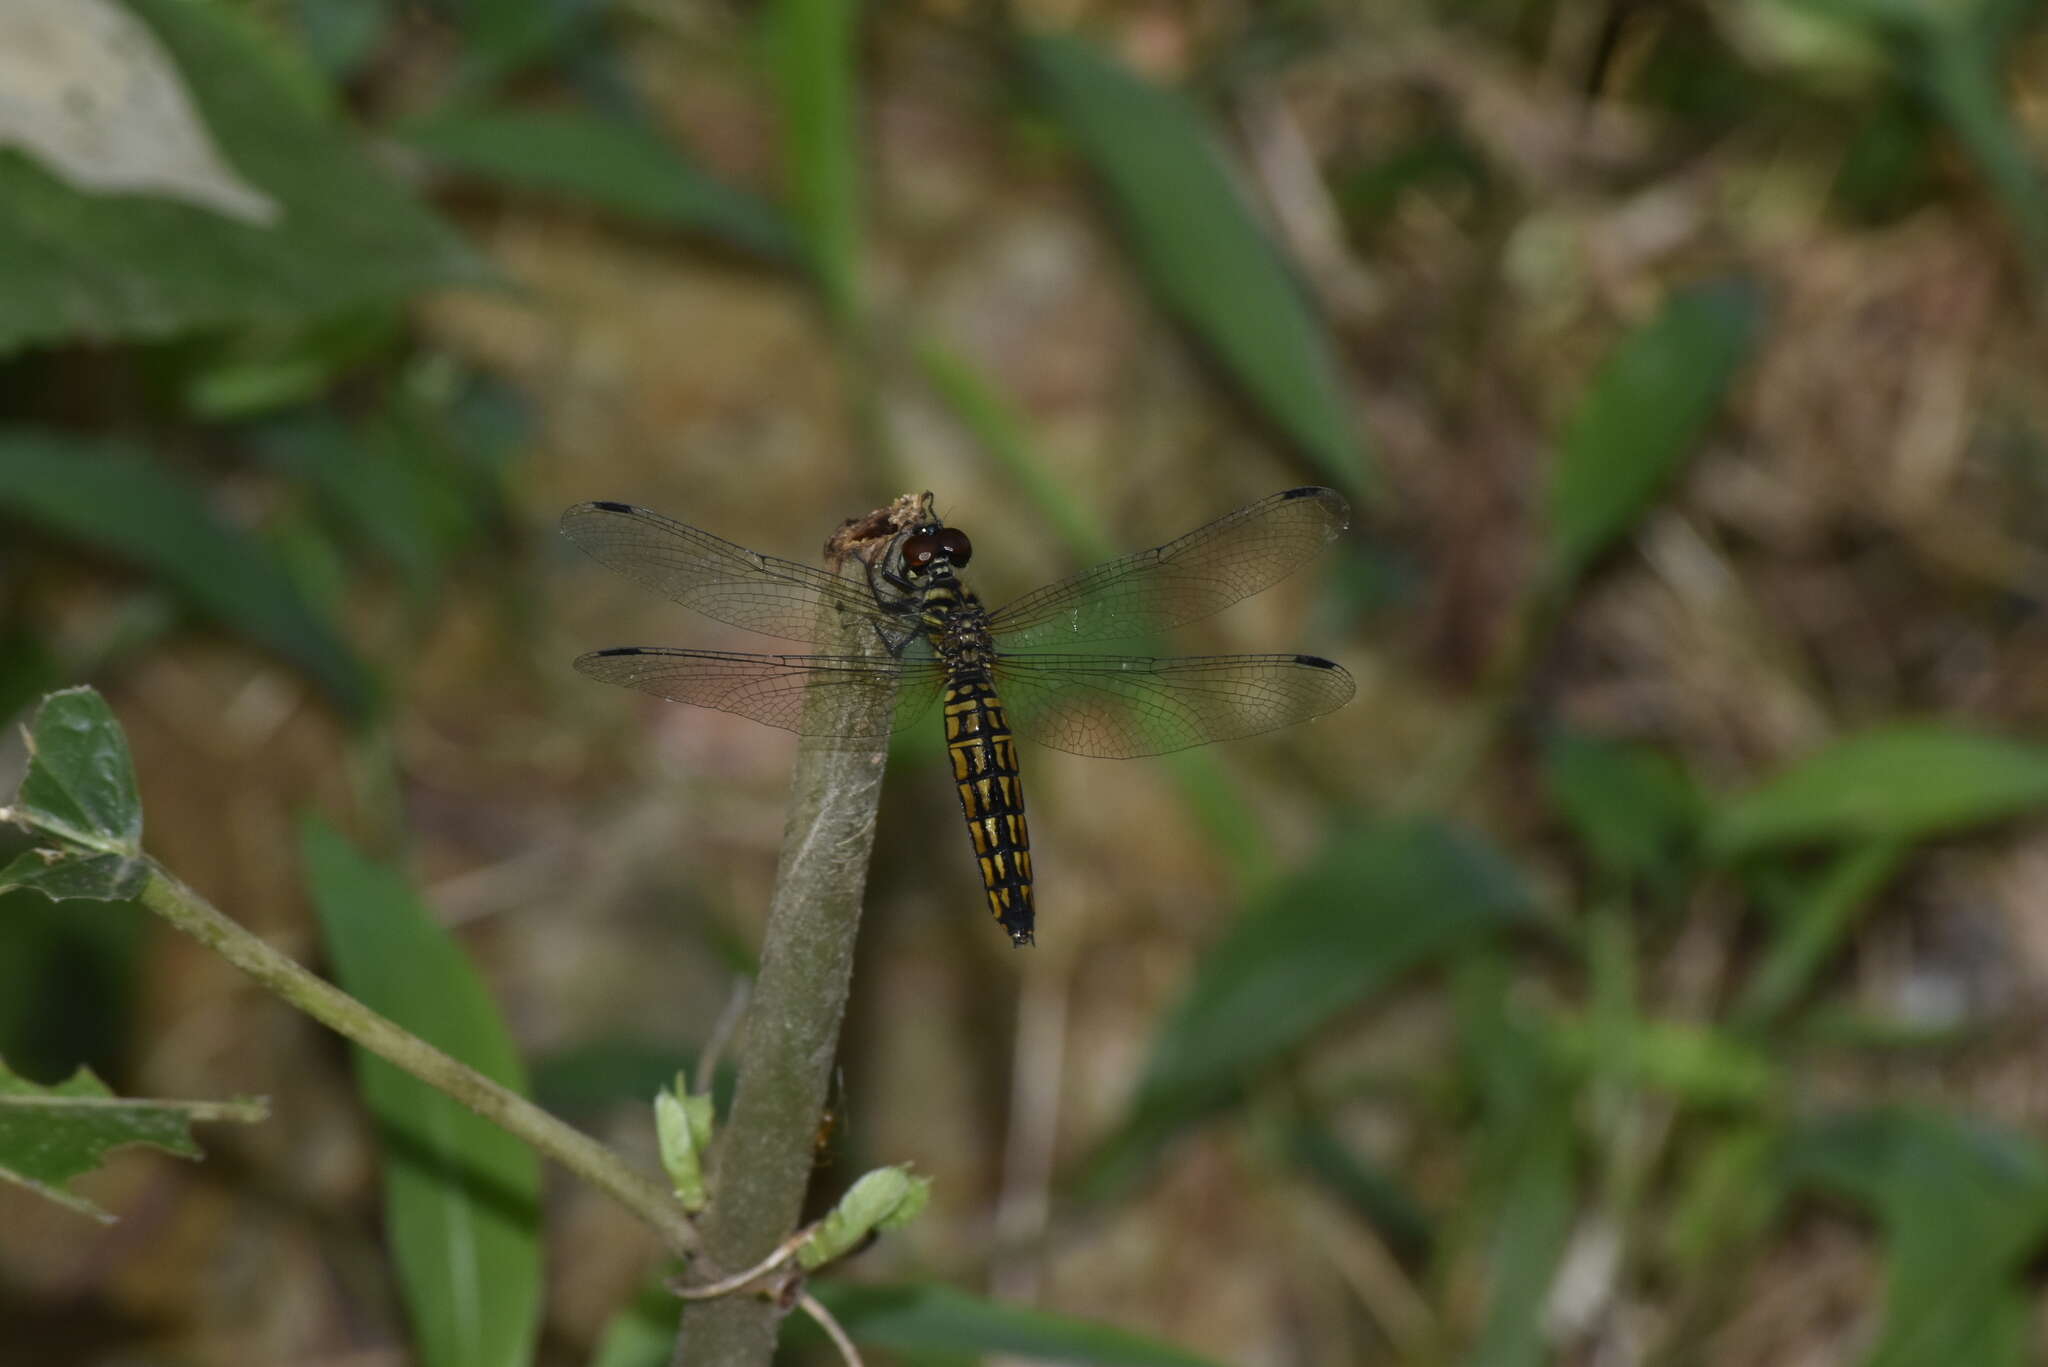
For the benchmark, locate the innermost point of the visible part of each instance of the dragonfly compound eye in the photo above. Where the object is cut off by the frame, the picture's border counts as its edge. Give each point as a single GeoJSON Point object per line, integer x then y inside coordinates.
{"type": "Point", "coordinates": [918, 550]}
{"type": "Point", "coordinates": [955, 545]}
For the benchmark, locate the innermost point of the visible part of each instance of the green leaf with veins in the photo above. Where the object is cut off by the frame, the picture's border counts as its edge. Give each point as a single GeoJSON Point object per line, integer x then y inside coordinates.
{"type": "Point", "coordinates": [49, 1135]}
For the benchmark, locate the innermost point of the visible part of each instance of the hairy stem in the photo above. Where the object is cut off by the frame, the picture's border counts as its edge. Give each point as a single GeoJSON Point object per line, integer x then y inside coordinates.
{"type": "Point", "coordinates": [328, 1004]}
{"type": "Point", "coordinates": [791, 1033]}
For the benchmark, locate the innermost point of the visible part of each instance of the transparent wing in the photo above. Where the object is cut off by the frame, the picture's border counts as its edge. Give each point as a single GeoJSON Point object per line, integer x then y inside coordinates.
{"type": "Point", "coordinates": [775, 689]}
{"type": "Point", "coordinates": [1122, 706]}
{"type": "Point", "coordinates": [717, 578]}
{"type": "Point", "coordinates": [1203, 572]}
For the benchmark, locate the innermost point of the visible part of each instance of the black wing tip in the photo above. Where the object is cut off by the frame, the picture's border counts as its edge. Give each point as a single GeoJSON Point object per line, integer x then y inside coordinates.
{"type": "Point", "coordinates": [1334, 503]}
{"type": "Point", "coordinates": [1316, 662]}
{"type": "Point", "coordinates": [610, 506]}
{"type": "Point", "coordinates": [617, 650]}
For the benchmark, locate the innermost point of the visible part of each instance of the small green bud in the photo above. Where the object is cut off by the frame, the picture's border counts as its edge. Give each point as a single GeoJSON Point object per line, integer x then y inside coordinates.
{"type": "Point", "coordinates": [682, 1123]}
{"type": "Point", "coordinates": [886, 1198]}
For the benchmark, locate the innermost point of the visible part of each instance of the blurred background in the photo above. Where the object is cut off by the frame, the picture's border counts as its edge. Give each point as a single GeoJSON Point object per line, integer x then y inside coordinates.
{"type": "Point", "coordinates": [1647, 967]}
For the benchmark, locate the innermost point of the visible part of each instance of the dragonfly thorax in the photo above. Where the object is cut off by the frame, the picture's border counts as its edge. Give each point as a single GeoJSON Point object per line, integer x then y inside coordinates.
{"type": "Point", "coordinates": [956, 624]}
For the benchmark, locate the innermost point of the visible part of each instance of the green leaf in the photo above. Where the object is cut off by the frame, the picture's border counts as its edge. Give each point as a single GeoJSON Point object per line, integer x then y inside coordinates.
{"type": "Point", "coordinates": [340, 38]}
{"type": "Point", "coordinates": [106, 266]}
{"type": "Point", "coordinates": [461, 1196]}
{"type": "Point", "coordinates": [1380, 901]}
{"type": "Point", "coordinates": [110, 496]}
{"type": "Point", "coordinates": [504, 36]}
{"type": "Point", "coordinates": [1516, 1219]}
{"type": "Point", "coordinates": [1694, 1063]}
{"type": "Point", "coordinates": [1632, 807]}
{"type": "Point", "coordinates": [265, 369]}
{"type": "Point", "coordinates": [1964, 1208]}
{"type": "Point", "coordinates": [49, 1135]}
{"type": "Point", "coordinates": [1950, 55]}
{"type": "Point", "coordinates": [63, 874]}
{"type": "Point", "coordinates": [1201, 246]}
{"type": "Point", "coordinates": [80, 785]}
{"type": "Point", "coordinates": [916, 1318]}
{"type": "Point", "coordinates": [1532, 1224]}
{"type": "Point", "coordinates": [1816, 920]}
{"type": "Point", "coordinates": [1904, 783]}
{"type": "Point", "coordinates": [811, 54]}
{"type": "Point", "coordinates": [1959, 68]}
{"type": "Point", "coordinates": [79, 791]}
{"type": "Point", "coordinates": [1642, 416]}
{"type": "Point", "coordinates": [1372, 1193]}
{"type": "Point", "coordinates": [614, 166]}
{"type": "Point", "coordinates": [1727, 1194]}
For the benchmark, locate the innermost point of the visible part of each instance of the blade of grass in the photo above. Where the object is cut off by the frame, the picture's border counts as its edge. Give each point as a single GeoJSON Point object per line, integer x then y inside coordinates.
{"type": "Point", "coordinates": [810, 48]}
{"type": "Point", "coordinates": [1203, 249]}
{"type": "Point", "coordinates": [1643, 415]}
{"type": "Point", "coordinates": [612, 165]}
{"type": "Point", "coordinates": [112, 497]}
{"type": "Point", "coordinates": [1811, 929]}
{"type": "Point", "coordinates": [461, 1197]}
{"type": "Point", "coordinates": [1906, 782]}
{"type": "Point", "coordinates": [939, 1318]}
{"type": "Point", "coordinates": [1379, 901]}
{"type": "Point", "coordinates": [1963, 1207]}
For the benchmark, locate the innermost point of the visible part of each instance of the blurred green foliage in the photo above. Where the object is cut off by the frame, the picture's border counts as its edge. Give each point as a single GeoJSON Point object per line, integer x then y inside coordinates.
{"type": "Point", "coordinates": [246, 431]}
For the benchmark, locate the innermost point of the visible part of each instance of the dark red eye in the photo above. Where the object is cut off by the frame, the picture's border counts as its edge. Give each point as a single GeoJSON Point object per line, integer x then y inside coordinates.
{"type": "Point", "coordinates": [955, 544]}
{"type": "Point", "coordinates": [918, 550]}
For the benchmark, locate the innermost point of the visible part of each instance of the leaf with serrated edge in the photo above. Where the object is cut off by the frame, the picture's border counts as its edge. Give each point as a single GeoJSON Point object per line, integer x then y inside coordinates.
{"type": "Point", "coordinates": [49, 1135]}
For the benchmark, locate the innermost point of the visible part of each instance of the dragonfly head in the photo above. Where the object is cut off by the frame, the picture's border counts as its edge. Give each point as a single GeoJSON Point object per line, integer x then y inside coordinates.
{"type": "Point", "coordinates": [935, 551]}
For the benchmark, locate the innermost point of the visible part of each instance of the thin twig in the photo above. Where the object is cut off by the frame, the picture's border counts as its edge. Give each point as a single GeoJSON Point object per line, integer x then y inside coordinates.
{"type": "Point", "coordinates": [332, 1007]}
{"type": "Point", "coordinates": [725, 1286]}
{"type": "Point", "coordinates": [721, 1035]}
{"type": "Point", "coordinates": [818, 1312]}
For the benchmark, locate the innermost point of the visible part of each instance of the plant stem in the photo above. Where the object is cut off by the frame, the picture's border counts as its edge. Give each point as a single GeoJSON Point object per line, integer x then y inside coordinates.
{"type": "Point", "coordinates": [328, 1004]}
{"type": "Point", "coordinates": [791, 1033]}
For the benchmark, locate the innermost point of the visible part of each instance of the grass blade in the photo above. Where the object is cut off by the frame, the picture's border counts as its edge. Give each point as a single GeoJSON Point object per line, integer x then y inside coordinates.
{"type": "Point", "coordinates": [113, 498]}
{"type": "Point", "coordinates": [612, 165]}
{"type": "Point", "coordinates": [461, 1196]}
{"type": "Point", "coordinates": [939, 1318]}
{"type": "Point", "coordinates": [1901, 783]}
{"type": "Point", "coordinates": [1642, 416]}
{"type": "Point", "coordinates": [1202, 247]}
{"type": "Point", "coordinates": [810, 48]}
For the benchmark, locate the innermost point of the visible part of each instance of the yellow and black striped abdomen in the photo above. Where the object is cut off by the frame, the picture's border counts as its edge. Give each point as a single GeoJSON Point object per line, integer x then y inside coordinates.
{"type": "Point", "coordinates": [985, 771]}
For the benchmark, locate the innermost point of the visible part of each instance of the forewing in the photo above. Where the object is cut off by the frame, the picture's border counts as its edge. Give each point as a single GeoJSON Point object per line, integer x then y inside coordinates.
{"type": "Point", "coordinates": [1122, 706]}
{"type": "Point", "coordinates": [850, 690]}
{"type": "Point", "coordinates": [1203, 572]}
{"type": "Point", "coordinates": [717, 578]}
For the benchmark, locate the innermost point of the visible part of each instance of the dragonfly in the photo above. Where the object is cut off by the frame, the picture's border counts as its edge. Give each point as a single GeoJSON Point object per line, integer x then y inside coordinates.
{"type": "Point", "coordinates": [1001, 673]}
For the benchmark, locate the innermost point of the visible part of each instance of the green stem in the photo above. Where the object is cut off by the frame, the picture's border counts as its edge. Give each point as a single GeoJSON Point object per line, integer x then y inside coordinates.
{"type": "Point", "coordinates": [332, 1007]}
